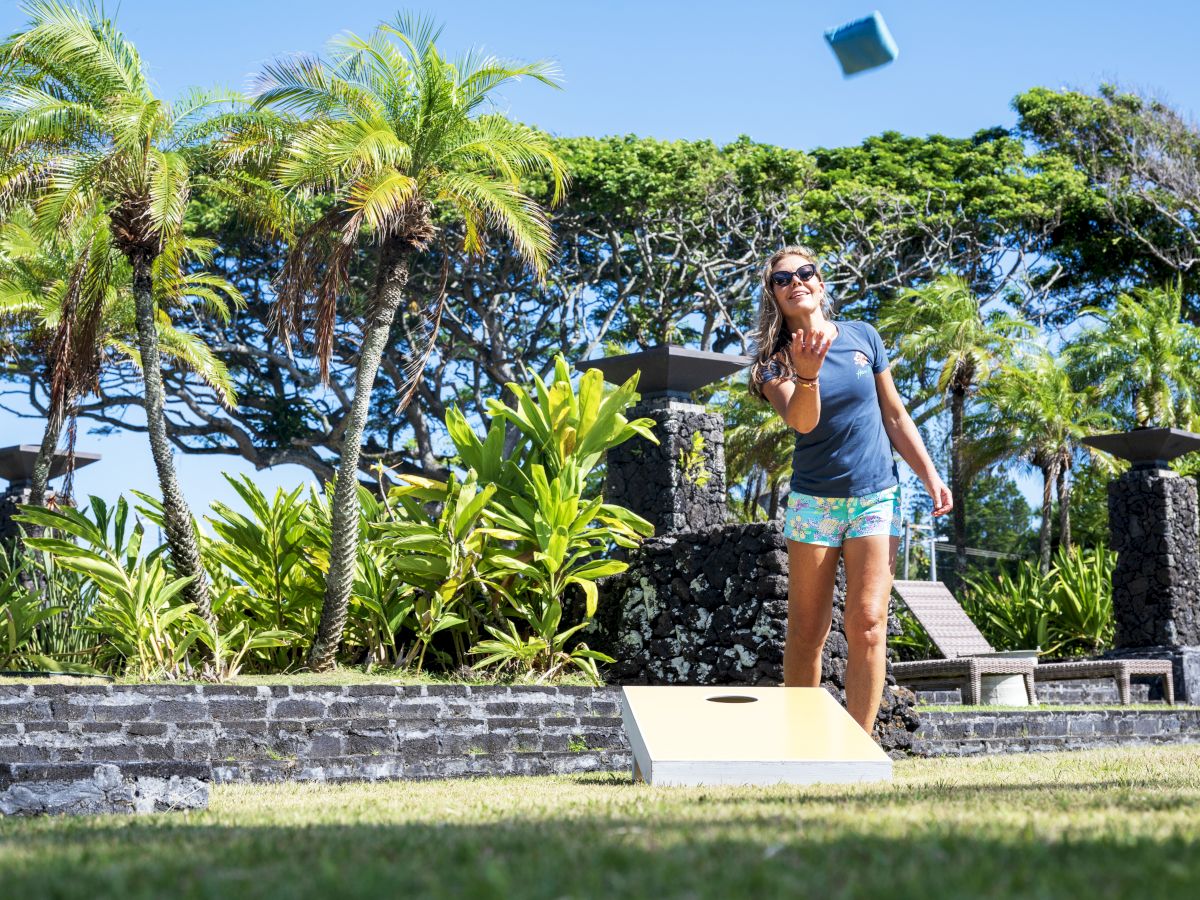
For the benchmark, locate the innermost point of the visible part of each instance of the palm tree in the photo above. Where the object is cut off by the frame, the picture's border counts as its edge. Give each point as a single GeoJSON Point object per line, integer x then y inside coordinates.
{"type": "Point", "coordinates": [942, 327]}
{"type": "Point", "coordinates": [77, 109]}
{"type": "Point", "coordinates": [71, 295]}
{"type": "Point", "coordinates": [1145, 355]}
{"type": "Point", "coordinates": [1032, 410]}
{"type": "Point", "coordinates": [387, 129]}
{"type": "Point", "coordinates": [758, 452]}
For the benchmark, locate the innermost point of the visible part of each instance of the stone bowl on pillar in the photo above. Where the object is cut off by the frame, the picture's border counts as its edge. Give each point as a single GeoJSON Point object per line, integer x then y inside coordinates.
{"type": "Point", "coordinates": [1153, 526]}
{"type": "Point", "coordinates": [678, 484]}
{"type": "Point", "coordinates": [16, 467]}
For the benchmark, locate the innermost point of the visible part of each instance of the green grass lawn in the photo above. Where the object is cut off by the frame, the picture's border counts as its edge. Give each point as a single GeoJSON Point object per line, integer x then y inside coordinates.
{"type": "Point", "coordinates": [1056, 707]}
{"type": "Point", "coordinates": [1097, 824]}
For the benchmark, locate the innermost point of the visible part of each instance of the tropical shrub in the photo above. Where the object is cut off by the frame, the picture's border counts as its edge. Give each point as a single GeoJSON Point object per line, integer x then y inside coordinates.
{"type": "Point", "coordinates": [1065, 612]}
{"type": "Point", "coordinates": [267, 575]}
{"type": "Point", "coordinates": [22, 613]}
{"type": "Point", "coordinates": [1011, 607]}
{"type": "Point", "coordinates": [444, 569]}
{"type": "Point", "coordinates": [138, 615]}
{"type": "Point", "coordinates": [496, 566]}
{"type": "Point", "coordinates": [557, 535]}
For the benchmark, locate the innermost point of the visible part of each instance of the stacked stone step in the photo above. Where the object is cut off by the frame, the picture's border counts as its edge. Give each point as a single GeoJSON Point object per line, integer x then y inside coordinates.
{"type": "Point", "coordinates": [90, 788]}
{"type": "Point", "coordinates": [1046, 731]}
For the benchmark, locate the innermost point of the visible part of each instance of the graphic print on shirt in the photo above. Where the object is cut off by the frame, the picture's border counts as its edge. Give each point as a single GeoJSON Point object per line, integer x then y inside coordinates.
{"type": "Point", "coordinates": [862, 364]}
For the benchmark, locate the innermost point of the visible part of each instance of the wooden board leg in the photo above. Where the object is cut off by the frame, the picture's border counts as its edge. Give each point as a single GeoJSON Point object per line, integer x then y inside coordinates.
{"type": "Point", "coordinates": [637, 772]}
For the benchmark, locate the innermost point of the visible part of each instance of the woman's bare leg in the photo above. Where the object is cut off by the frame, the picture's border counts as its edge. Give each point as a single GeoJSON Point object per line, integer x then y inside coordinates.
{"type": "Point", "coordinates": [870, 562]}
{"type": "Point", "coordinates": [811, 572]}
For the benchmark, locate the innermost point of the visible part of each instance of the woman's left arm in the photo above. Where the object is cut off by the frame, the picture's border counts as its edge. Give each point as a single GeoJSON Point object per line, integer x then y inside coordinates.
{"type": "Point", "coordinates": [902, 432]}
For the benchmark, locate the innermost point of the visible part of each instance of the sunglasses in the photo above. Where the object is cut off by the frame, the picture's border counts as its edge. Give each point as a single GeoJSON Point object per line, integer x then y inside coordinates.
{"type": "Point", "coordinates": [782, 279]}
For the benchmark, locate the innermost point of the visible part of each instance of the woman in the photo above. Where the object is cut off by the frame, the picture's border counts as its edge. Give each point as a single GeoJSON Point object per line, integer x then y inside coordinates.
{"type": "Point", "coordinates": [830, 382]}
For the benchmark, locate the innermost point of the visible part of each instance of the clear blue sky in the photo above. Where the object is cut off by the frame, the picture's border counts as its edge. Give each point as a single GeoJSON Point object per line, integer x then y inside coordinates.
{"type": "Point", "coordinates": [666, 69]}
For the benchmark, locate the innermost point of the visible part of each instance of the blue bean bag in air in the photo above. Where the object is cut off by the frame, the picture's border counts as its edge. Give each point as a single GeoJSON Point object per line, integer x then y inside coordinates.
{"type": "Point", "coordinates": [862, 44]}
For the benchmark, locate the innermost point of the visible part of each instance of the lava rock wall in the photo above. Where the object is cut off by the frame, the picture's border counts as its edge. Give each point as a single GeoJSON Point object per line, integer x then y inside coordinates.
{"type": "Point", "coordinates": [679, 483]}
{"type": "Point", "coordinates": [1156, 585]}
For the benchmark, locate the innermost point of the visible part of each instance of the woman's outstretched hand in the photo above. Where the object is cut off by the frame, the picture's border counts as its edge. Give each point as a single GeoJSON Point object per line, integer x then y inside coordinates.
{"type": "Point", "coordinates": [807, 350]}
{"type": "Point", "coordinates": [943, 500]}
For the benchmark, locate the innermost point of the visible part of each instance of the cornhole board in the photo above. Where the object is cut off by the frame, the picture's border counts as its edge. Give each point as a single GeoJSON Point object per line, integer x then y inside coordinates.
{"type": "Point", "coordinates": [688, 736]}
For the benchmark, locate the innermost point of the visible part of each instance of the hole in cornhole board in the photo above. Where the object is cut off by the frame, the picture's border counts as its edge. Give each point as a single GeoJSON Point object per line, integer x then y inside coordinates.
{"type": "Point", "coordinates": [732, 698]}
{"type": "Point", "coordinates": [688, 735]}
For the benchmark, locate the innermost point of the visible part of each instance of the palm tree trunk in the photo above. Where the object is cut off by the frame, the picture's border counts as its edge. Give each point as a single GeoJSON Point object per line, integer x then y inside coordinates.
{"type": "Point", "coordinates": [957, 402]}
{"type": "Point", "coordinates": [343, 550]}
{"type": "Point", "coordinates": [1049, 473]}
{"type": "Point", "coordinates": [45, 457]}
{"type": "Point", "coordinates": [1064, 505]}
{"type": "Point", "coordinates": [177, 517]}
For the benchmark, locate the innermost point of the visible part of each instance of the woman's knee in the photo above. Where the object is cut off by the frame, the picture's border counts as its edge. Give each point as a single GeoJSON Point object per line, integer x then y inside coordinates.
{"type": "Point", "coordinates": [867, 628]}
{"type": "Point", "coordinates": [808, 638]}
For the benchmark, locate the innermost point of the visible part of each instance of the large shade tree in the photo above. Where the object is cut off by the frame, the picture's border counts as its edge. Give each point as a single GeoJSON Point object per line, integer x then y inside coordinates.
{"type": "Point", "coordinates": [79, 116]}
{"type": "Point", "coordinates": [1136, 222]}
{"type": "Point", "coordinates": [942, 328]}
{"type": "Point", "coordinates": [394, 135]}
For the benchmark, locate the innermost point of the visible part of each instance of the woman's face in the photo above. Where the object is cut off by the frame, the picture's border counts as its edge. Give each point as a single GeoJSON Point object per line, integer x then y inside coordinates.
{"type": "Point", "coordinates": [797, 296]}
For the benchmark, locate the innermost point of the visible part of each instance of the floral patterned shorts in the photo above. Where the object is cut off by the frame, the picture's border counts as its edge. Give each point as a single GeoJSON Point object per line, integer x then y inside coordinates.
{"type": "Point", "coordinates": [828, 521]}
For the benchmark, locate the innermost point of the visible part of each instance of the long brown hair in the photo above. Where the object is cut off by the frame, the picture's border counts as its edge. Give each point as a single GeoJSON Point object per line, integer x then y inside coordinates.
{"type": "Point", "coordinates": [770, 334]}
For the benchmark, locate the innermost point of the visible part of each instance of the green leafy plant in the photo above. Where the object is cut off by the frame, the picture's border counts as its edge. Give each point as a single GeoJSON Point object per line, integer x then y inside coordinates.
{"type": "Point", "coordinates": [557, 535]}
{"type": "Point", "coordinates": [274, 576]}
{"type": "Point", "coordinates": [229, 649]}
{"type": "Point", "coordinates": [1082, 598]}
{"type": "Point", "coordinates": [1065, 612]}
{"type": "Point", "coordinates": [1012, 609]}
{"type": "Point", "coordinates": [139, 617]}
{"type": "Point", "coordinates": [536, 653]}
{"type": "Point", "coordinates": [913, 642]}
{"type": "Point", "coordinates": [691, 462]}
{"type": "Point", "coordinates": [21, 615]}
{"type": "Point", "coordinates": [450, 563]}
{"type": "Point", "coordinates": [143, 627]}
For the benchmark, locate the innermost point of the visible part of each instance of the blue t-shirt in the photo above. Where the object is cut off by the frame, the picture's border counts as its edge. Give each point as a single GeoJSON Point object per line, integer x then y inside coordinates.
{"type": "Point", "coordinates": [848, 453]}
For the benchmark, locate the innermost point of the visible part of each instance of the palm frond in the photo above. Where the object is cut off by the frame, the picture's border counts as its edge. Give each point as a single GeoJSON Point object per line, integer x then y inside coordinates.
{"type": "Point", "coordinates": [480, 76]}
{"type": "Point", "coordinates": [506, 209]}
{"type": "Point", "coordinates": [201, 115]}
{"type": "Point", "coordinates": [77, 39]}
{"type": "Point", "coordinates": [418, 34]}
{"type": "Point", "coordinates": [168, 189]}
{"type": "Point", "coordinates": [31, 115]}
{"type": "Point", "coordinates": [194, 355]}
{"type": "Point", "coordinates": [380, 201]}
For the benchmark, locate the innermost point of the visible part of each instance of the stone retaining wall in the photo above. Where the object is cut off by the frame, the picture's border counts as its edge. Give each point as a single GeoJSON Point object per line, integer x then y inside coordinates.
{"type": "Point", "coordinates": [53, 734]}
{"type": "Point", "coordinates": [318, 733]}
{"type": "Point", "coordinates": [1045, 731]}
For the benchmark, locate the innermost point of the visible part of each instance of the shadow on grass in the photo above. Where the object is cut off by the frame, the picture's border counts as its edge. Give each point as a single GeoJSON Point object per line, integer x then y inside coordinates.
{"type": "Point", "coordinates": [1083, 794]}
{"type": "Point", "coordinates": [576, 856]}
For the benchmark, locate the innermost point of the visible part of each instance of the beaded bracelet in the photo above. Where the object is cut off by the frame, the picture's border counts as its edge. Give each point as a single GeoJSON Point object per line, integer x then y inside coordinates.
{"type": "Point", "coordinates": [811, 385]}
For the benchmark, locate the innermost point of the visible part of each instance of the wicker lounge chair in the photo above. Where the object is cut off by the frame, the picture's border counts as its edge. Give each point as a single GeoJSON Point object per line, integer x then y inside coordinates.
{"type": "Point", "coordinates": [957, 638]}
{"type": "Point", "coordinates": [968, 655]}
